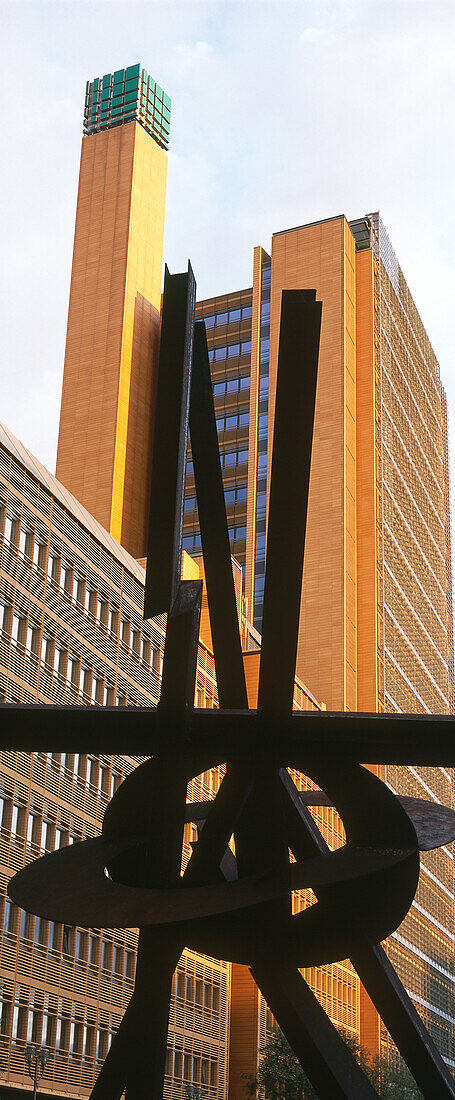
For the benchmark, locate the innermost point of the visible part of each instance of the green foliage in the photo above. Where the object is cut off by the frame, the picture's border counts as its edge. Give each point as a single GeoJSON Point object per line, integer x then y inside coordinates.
{"type": "Point", "coordinates": [281, 1077]}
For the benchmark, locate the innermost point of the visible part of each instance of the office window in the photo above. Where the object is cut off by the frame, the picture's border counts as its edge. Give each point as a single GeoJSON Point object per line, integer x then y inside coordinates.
{"type": "Point", "coordinates": [32, 637]}
{"type": "Point", "coordinates": [129, 963]}
{"type": "Point", "coordinates": [72, 671]}
{"type": "Point", "coordinates": [125, 632]}
{"type": "Point", "coordinates": [221, 318]}
{"type": "Point", "coordinates": [113, 619]}
{"type": "Point", "coordinates": [59, 839]}
{"type": "Point", "coordinates": [59, 661]}
{"type": "Point", "coordinates": [10, 528]}
{"type": "Point", "coordinates": [106, 953]}
{"type": "Point", "coordinates": [4, 617]}
{"type": "Point", "coordinates": [103, 782]}
{"type": "Point", "coordinates": [38, 554]}
{"type": "Point", "coordinates": [101, 608]}
{"type": "Point", "coordinates": [46, 649]}
{"type": "Point", "coordinates": [234, 315]}
{"type": "Point", "coordinates": [136, 640]}
{"type": "Point", "coordinates": [92, 949]}
{"type": "Point", "coordinates": [17, 627]}
{"type": "Point", "coordinates": [81, 946]}
{"type": "Point", "coordinates": [17, 819]}
{"type": "Point", "coordinates": [53, 566]}
{"type": "Point", "coordinates": [66, 578]}
{"type": "Point", "coordinates": [32, 828]}
{"type": "Point", "coordinates": [233, 350]}
{"type": "Point", "coordinates": [246, 312]}
{"type": "Point", "coordinates": [90, 596]}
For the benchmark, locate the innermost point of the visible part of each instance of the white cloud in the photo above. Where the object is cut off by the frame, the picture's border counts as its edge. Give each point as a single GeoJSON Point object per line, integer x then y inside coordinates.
{"type": "Point", "coordinates": [282, 113]}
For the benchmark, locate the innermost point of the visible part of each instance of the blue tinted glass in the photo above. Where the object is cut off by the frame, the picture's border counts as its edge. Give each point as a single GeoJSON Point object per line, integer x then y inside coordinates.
{"type": "Point", "coordinates": [245, 382]}
{"type": "Point", "coordinates": [260, 542]}
{"type": "Point", "coordinates": [234, 314]}
{"type": "Point", "coordinates": [246, 347]}
{"type": "Point", "coordinates": [221, 318]}
{"type": "Point", "coordinates": [231, 422]}
{"type": "Point", "coordinates": [262, 465]}
{"type": "Point", "coordinates": [240, 533]}
{"type": "Point", "coordinates": [259, 586]}
{"type": "Point", "coordinates": [189, 467]}
{"type": "Point", "coordinates": [230, 458]}
{"type": "Point", "coordinates": [265, 311]}
{"type": "Point", "coordinates": [233, 350]}
{"type": "Point", "coordinates": [190, 504]}
{"type": "Point", "coordinates": [187, 542]}
{"type": "Point", "coordinates": [220, 353]}
{"type": "Point", "coordinates": [229, 496]}
{"type": "Point", "coordinates": [220, 424]}
{"type": "Point", "coordinates": [209, 321]}
{"type": "Point", "coordinates": [218, 388]}
{"type": "Point", "coordinates": [263, 386]}
{"type": "Point", "coordinates": [232, 385]}
{"type": "Point", "coordinates": [246, 312]}
{"type": "Point", "coordinates": [243, 456]}
{"type": "Point", "coordinates": [266, 276]}
{"type": "Point", "coordinates": [211, 355]}
{"type": "Point", "coordinates": [241, 493]}
{"type": "Point", "coordinates": [244, 418]}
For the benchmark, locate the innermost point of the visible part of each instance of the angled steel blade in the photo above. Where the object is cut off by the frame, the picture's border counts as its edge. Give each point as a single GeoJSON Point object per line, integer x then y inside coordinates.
{"type": "Point", "coordinates": [289, 484]}
{"type": "Point", "coordinates": [224, 623]}
{"type": "Point", "coordinates": [377, 973]}
{"type": "Point", "coordinates": [170, 434]}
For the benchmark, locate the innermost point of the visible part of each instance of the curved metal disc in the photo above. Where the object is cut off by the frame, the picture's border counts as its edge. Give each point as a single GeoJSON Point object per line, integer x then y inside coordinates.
{"type": "Point", "coordinates": [70, 885]}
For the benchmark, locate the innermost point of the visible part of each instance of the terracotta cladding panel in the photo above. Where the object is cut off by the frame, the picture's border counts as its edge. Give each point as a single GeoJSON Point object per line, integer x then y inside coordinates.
{"type": "Point", "coordinates": [318, 257]}
{"type": "Point", "coordinates": [244, 1030]}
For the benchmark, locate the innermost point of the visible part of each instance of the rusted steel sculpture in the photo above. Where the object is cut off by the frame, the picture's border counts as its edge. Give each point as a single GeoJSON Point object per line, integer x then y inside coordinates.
{"type": "Point", "coordinates": [239, 908]}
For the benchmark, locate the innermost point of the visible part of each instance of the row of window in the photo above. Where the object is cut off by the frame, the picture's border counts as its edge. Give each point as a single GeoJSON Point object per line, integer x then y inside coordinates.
{"type": "Point", "coordinates": [76, 586]}
{"type": "Point", "coordinates": [227, 459]}
{"type": "Point", "coordinates": [85, 948]}
{"type": "Point", "coordinates": [197, 991]}
{"type": "Point", "coordinates": [69, 1037]}
{"type": "Point", "coordinates": [227, 317]}
{"type": "Point", "coordinates": [237, 495]}
{"type": "Point", "coordinates": [236, 534]}
{"type": "Point", "coordinates": [43, 646]}
{"type": "Point", "coordinates": [192, 1068]}
{"type": "Point", "coordinates": [229, 351]}
{"type": "Point", "coordinates": [231, 385]}
{"type": "Point", "coordinates": [232, 422]}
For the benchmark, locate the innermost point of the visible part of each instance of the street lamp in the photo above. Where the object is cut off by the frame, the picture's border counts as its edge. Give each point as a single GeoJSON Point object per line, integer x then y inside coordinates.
{"type": "Point", "coordinates": [34, 1059]}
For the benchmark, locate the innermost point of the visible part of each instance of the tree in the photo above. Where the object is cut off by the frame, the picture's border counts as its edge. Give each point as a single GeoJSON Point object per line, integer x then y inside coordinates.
{"type": "Point", "coordinates": [281, 1077]}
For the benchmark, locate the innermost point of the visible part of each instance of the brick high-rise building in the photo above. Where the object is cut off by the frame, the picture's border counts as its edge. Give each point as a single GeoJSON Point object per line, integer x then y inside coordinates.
{"type": "Point", "coordinates": [376, 627]}
{"type": "Point", "coordinates": [104, 442]}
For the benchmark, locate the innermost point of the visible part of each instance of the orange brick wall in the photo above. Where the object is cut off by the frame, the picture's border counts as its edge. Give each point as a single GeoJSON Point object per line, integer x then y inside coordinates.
{"type": "Point", "coordinates": [322, 257]}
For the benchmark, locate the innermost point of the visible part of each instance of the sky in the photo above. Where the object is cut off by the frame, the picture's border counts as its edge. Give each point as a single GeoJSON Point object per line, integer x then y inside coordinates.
{"type": "Point", "coordinates": [283, 112]}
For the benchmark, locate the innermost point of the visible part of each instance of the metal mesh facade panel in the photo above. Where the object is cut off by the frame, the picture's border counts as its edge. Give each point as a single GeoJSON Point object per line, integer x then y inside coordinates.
{"type": "Point", "coordinates": [417, 641]}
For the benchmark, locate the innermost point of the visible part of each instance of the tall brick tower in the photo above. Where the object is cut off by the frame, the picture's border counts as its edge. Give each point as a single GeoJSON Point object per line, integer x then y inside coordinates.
{"type": "Point", "coordinates": [104, 441]}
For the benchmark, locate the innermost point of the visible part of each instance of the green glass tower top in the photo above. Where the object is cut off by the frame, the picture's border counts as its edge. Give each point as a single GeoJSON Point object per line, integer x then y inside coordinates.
{"type": "Point", "coordinates": [126, 95]}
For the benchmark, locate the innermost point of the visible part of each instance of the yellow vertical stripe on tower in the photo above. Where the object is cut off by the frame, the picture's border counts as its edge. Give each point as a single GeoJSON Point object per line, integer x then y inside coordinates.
{"type": "Point", "coordinates": [139, 348]}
